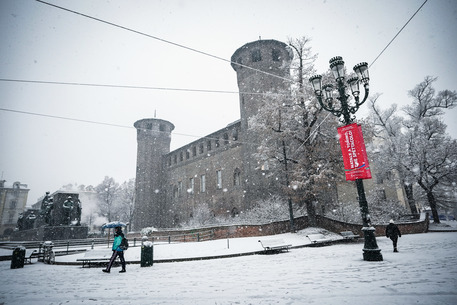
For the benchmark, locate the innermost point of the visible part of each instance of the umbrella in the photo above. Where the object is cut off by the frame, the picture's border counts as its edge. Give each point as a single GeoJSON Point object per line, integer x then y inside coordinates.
{"type": "Point", "coordinates": [114, 224]}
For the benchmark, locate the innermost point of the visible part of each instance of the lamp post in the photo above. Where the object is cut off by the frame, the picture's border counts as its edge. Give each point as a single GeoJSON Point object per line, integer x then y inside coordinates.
{"type": "Point", "coordinates": [346, 108]}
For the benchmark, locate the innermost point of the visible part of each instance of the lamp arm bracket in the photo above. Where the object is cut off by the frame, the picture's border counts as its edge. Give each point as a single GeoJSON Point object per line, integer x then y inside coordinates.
{"type": "Point", "coordinates": [319, 99]}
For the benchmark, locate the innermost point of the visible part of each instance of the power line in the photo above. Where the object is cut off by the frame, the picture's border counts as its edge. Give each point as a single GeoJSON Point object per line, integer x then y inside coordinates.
{"type": "Point", "coordinates": [136, 87]}
{"type": "Point", "coordinates": [103, 123]}
{"type": "Point", "coordinates": [114, 86]}
{"type": "Point", "coordinates": [398, 33]}
{"type": "Point", "coordinates": [163, 40]}
{"type": "Point", "coordinates": [205, 53]}
{"type": "Point", "coordinates": [63, 118]}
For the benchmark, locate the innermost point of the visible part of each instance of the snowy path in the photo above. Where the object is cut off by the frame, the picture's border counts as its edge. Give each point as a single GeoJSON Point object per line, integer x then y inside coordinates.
{"type": "Point", "coordinates": [424, 272]}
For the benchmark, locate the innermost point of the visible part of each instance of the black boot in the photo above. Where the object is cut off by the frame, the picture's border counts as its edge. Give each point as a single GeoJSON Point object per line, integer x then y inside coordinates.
{"type": "Point", "coordinates": [395, 250]}
{"type": "Point", "coordinates": [105, 270]}
{"type": "Point", "coordinates": [122, 271]}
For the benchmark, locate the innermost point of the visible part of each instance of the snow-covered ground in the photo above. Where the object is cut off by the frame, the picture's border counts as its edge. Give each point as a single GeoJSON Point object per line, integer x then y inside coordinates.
{"type": "Point", "coordinates": [423, 272]}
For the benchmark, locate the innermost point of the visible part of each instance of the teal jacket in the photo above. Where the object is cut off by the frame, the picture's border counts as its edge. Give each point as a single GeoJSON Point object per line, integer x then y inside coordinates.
{"type": "Point", "coordinates": [117, 241]}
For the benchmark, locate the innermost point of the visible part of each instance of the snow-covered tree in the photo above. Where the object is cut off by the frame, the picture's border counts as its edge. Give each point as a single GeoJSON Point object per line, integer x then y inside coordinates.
{"type": "Point", "coordinates": [299, 144]}
{"type": "Point", "coordinates": [418, 144]}
{"type": "Point", "coordinates": [107, 192]}
{"type": "Point", "coordinates": [388, 127]}
{"type": "Point", "coordinates": [126, 200]}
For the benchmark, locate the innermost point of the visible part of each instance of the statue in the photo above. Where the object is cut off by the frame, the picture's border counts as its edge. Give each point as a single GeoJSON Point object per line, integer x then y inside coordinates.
{"type": "Point", "coordinates": [76, 212]}
{"type": "Point", "coordinates": [30, 221]}
{"type": "Point", "coordinates": [20, 221]}
{"type": "Point", "coordinates": [47, 205]}
{"type": "Point", "coordinates": [67, 207]}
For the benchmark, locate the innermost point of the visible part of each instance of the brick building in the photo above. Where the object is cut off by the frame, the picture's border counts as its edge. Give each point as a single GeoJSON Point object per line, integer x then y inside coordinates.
{"type": "Point", "coordinates": [218, 169]}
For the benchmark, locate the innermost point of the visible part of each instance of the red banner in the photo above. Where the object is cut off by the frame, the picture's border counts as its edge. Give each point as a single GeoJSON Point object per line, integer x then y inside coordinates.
{"type": "Point", "coordinates": [354, 153]}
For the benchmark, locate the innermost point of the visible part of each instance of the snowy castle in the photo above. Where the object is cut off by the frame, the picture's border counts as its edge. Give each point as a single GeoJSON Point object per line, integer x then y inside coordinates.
{"type": "Point", "coordinates": [218, 170]}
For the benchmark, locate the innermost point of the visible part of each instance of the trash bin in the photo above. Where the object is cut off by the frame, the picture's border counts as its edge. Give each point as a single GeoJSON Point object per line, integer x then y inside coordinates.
{"type": "Point", "coordinates": [147, 251]}
{"type": "Point", "coordinates": [18, 258]}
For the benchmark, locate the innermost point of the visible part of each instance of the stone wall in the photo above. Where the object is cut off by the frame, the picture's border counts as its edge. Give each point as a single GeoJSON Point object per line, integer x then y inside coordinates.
{"type": "Point", "coordinates": [236, 231]}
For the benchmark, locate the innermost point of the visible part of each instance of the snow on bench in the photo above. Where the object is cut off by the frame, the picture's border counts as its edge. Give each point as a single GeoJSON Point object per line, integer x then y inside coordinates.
{"type": "Point", "coordinates": [95, 258]}
{"type": "Point", "coordinates": [274, 245]}
{"type": "Point", "coordinates": [348, 235]}
{"type": "Point", "coordinates": [28, 259]}
{"type": "Point", "coordinates": [318, 239]}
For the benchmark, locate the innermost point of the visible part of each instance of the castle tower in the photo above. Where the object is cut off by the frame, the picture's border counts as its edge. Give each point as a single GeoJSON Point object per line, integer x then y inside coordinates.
{"type": "Point", "coordinates": [153, 138]}
{"type": "Point", "coordinates": [273, 57]}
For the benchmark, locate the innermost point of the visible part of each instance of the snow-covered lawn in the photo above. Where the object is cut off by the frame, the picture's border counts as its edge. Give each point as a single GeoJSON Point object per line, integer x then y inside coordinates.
{"type": "Point", "coordinates": [423, 272]}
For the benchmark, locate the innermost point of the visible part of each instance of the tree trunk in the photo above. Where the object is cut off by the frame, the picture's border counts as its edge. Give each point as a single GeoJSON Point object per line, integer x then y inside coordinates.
{"type": "Point", "coordinates": [311, 210]}
{"type": "Point", "coordinates": [432, 203]}
{"type": "Point", "coordinates": [409, 195]}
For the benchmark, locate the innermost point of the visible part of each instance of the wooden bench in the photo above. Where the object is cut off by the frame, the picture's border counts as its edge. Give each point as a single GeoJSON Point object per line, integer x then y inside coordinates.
{"type": "Point", "coordinates": [274, 246]}
{"type": "Point", "coordinates": [348, 235]}
{"type": "Point", "coordinates": [318, 239]}
{"type": "Point", "coordinates": [95, 258]}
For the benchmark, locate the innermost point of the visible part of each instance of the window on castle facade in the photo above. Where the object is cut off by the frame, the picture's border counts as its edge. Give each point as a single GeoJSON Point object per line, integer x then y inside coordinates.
{"type": "Point", "coordinates": [181, 156]}
{"type": "Point", "coordinates": [179, 188]}
{"type": "Point", "coordinates": [13, 204]}
{"type": "Point", "coordinates": [237, 177]}
{"type": "Point", "coordinates": [219, 179]}
{"type": "Point", "coordinates": [149, 126]}
{"type": "Point", "coordinates": [275, 55]}
{"type": "Point", "coordinates": [175, 159]}
{"type": "Point", "coordinates": [187, 154]}
{"type": "Point", "coordinates": [256, 56]}
{"type": "Point", "coordinates": [235, 135]}
{"type": "Point", "coordinates": [240, 61]}
{"type": "Point", "coordinates": [208, 145]}
{"type": "Point", "coordinates": [217, 144]}
{"type": "Point", "coordinates": [194, 151]}
{"type": "Point", "coordinates": [191, 185]}
{"type": "Point", "coordinates": [169, 161]}
{"type": "Point", "coordinates": [161, 127]}
{"type": "Point", "coordinates": [381, 194]}
{"type": "Point", "coordinates": [201, 148]}
{"type": "Point", "coordinates": [226, 138]}
{"type": "Point", "coordinates": [203, 183]}
{"type": "Point", "coordinates": [175, 191]}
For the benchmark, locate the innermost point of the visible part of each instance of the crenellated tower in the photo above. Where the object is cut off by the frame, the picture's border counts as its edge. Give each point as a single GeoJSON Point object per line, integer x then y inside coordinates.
{"type": "Point", "coordinates": [261, 66]}
{"type": "Point", "coordinates": [153, 138]}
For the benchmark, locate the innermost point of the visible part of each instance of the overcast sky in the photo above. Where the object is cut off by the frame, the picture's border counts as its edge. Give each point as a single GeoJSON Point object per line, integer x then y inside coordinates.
{"type": "Point", "coordinates": [42, 43]}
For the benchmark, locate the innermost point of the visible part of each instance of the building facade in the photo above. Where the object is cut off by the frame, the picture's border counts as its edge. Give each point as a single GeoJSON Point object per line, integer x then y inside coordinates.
{"type": "Point", "coordinates": [217, 170]}
{"type": "Point", "coordinates": [12, 203]}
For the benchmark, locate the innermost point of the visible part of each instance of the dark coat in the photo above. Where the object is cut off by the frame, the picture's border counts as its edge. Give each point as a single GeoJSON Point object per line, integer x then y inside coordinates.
{"type": "Point", "coordinates": [392, 231]}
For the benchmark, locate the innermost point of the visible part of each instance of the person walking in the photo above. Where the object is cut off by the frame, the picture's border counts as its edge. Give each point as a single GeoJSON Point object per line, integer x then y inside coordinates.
{"type": "Point", "coordinates": [393, 232]}
{"type": "Point", "coordinates": [117, 251]}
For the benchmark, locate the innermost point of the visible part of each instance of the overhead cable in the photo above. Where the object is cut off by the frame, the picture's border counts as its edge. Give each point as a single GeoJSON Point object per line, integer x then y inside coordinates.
{"type": "Point", "coordinates": [163, 40]}
{"type": "Point", "coordinates": [106, 124]}
{"type": "Point", "coordinates": [136, 87]}
{"type": "Point", "coordinates": [397, 33]}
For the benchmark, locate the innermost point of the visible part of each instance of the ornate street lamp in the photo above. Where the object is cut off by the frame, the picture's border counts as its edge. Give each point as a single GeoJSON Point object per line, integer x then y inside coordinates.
{"type": "Point", "coordinates": [346, 107]}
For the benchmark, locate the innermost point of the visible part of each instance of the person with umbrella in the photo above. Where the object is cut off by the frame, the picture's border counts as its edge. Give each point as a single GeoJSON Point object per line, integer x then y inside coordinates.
{"type": "Point", "coordinates": [117, 251]}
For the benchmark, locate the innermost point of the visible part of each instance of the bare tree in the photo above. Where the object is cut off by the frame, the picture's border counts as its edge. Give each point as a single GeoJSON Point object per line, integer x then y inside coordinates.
{"type": "Point", "coordinates": [127, 200]}
{"type": "Point", "coordinates": [107, 193]}
{"type": "Point", "coordinates": [423, 153]}
{"type": "Point", "coordinates": [388, 127]}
